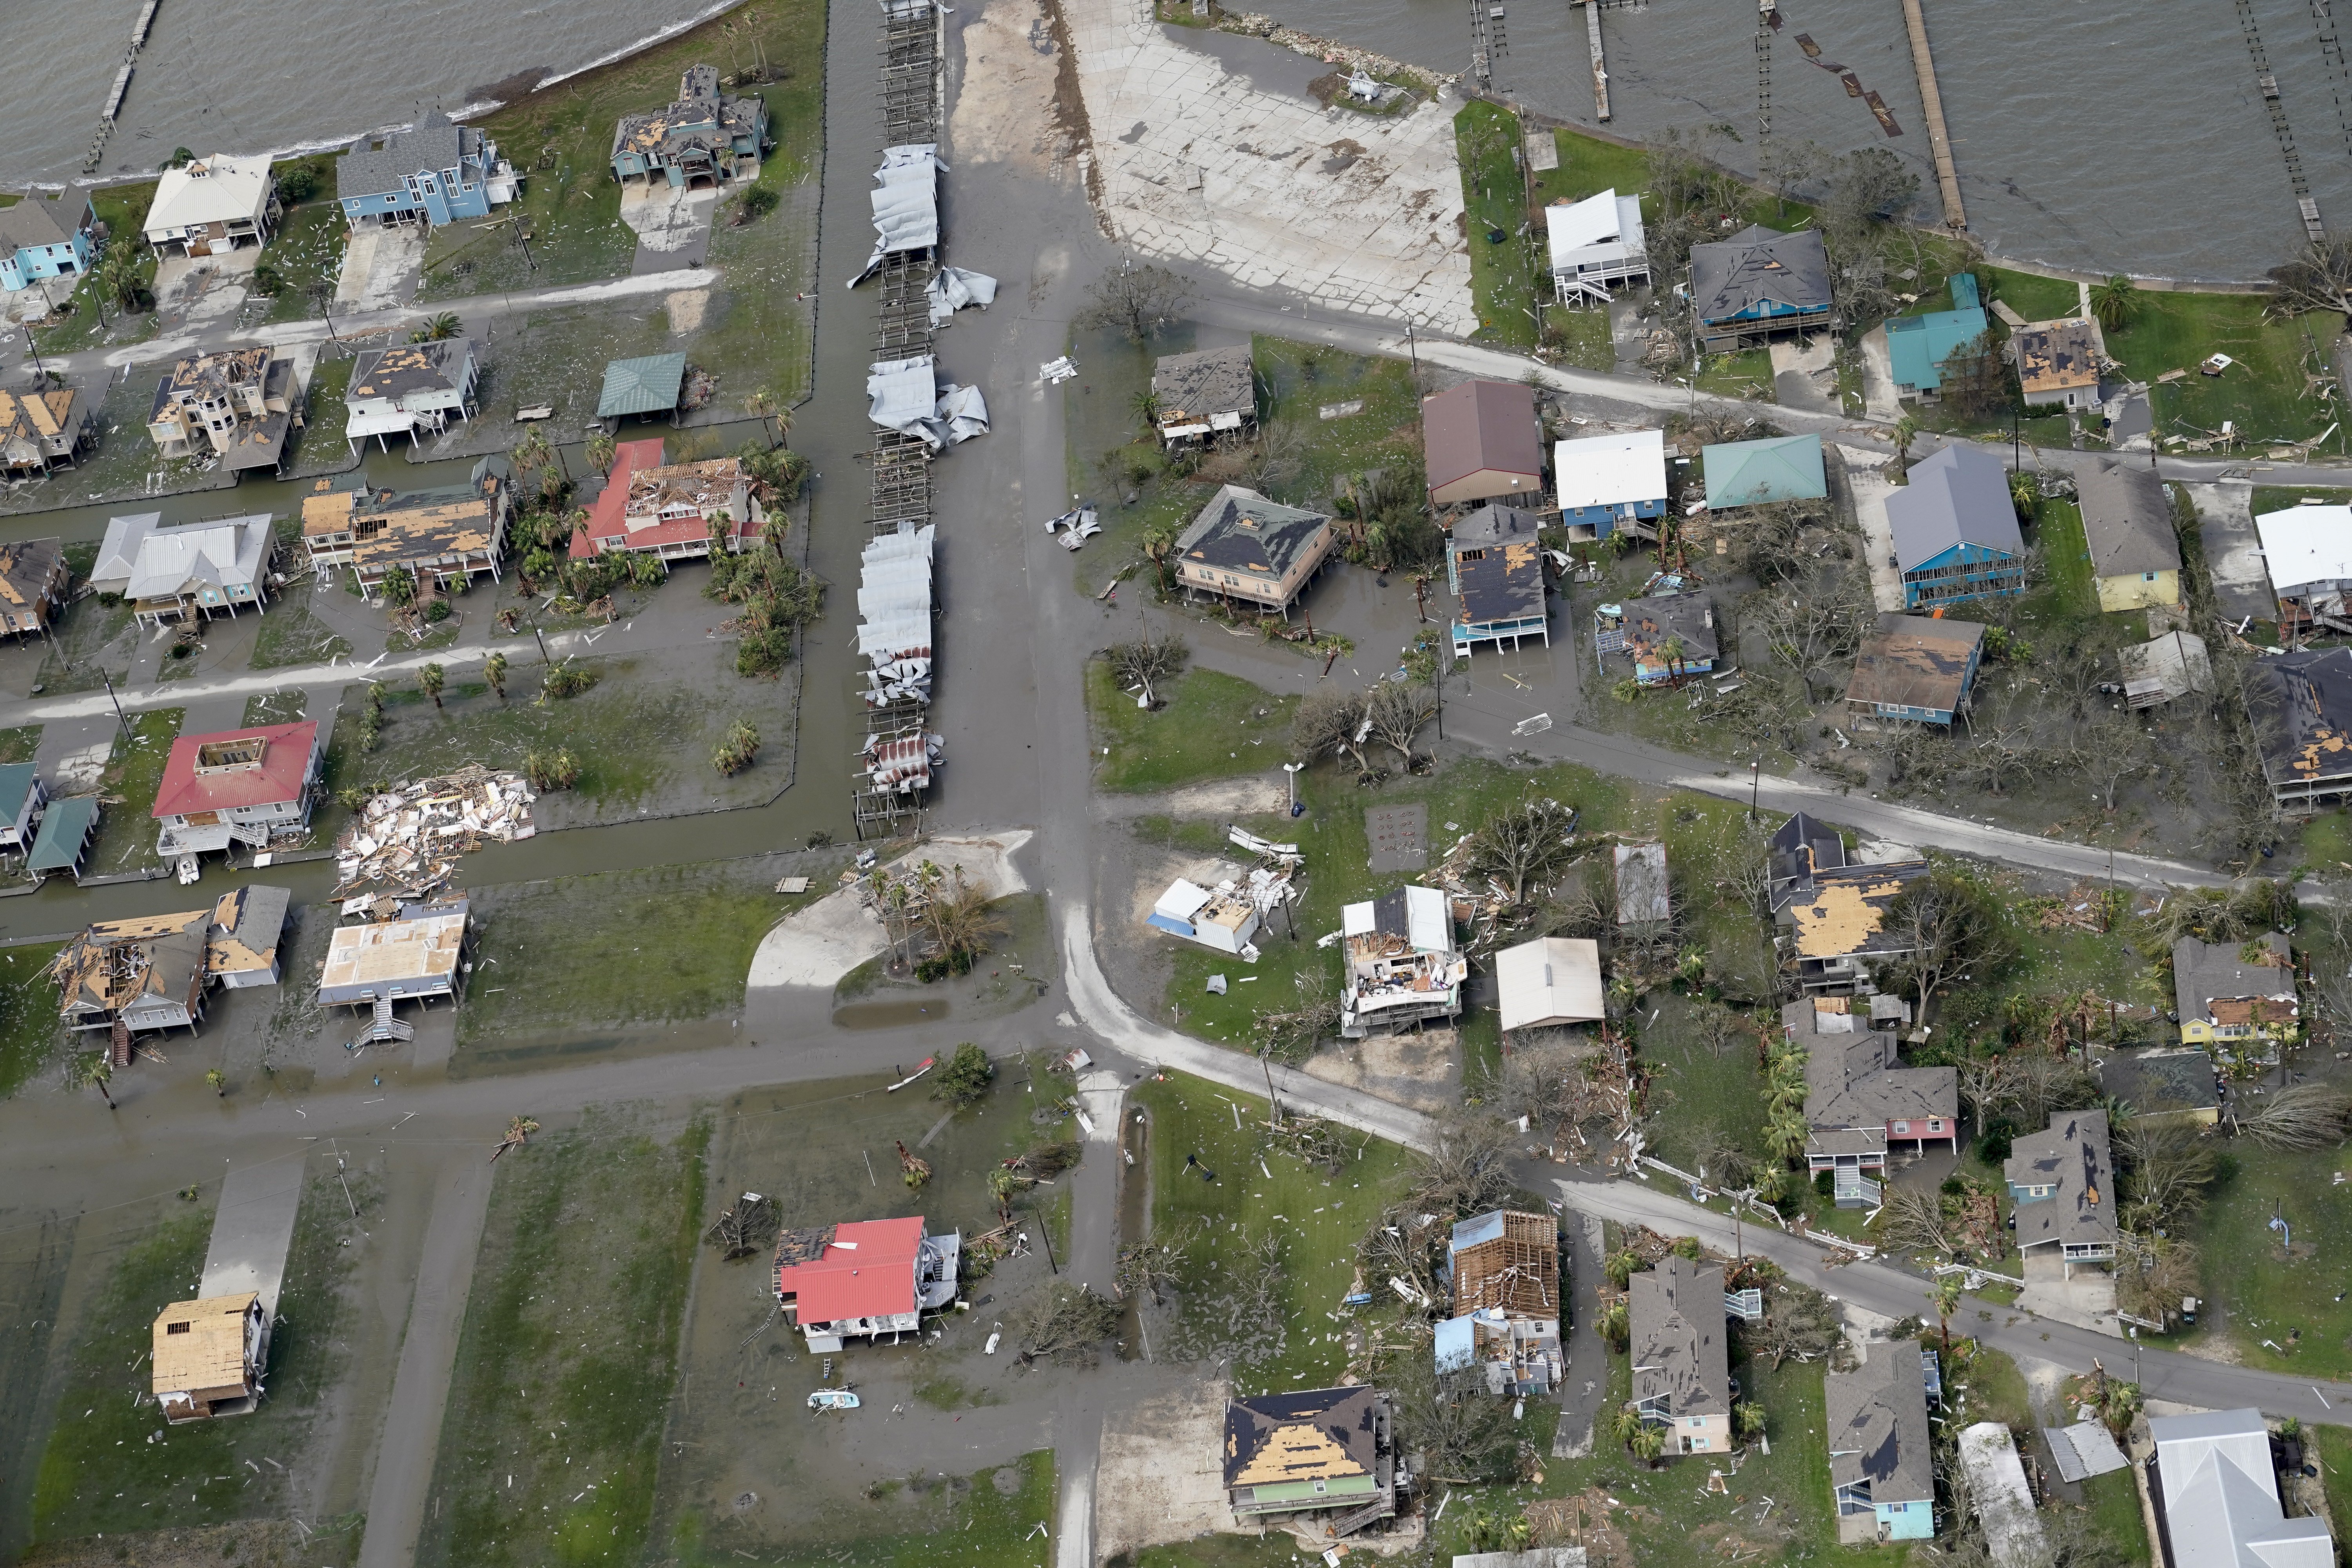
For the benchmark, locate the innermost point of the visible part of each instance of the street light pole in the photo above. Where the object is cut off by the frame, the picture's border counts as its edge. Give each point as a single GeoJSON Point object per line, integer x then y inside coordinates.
{"type": "Point", "coordinates": [1291, 771]}
{"type": "Point", "coordinates": [1755, 784]}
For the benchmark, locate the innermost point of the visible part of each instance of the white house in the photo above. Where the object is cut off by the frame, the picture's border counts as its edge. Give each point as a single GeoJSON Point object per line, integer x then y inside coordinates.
{"type": "Point", "coordinates": [1596, 243]}
{"type": "Point", "coordinates": [1222, 920]}
{"type": "Point", "coordinates": [1609, 481]}
{"type": "Point", "coordinates": [218, 203]}
{"type": "Point", "coordinates": [2216, 1495]}
{"type": "Point", "coordinates": [170, 573]}
{"type": "Point", "coordinates": [409, 389]}
{"type": "Point", "coordinates": [2307, 551]}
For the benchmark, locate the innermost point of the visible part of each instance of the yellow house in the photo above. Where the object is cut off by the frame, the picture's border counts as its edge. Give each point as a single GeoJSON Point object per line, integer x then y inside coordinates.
{"type": "Point", "coordinates": [1245, 547]}
{"type": "Point", "coordinates": [2128, 522]}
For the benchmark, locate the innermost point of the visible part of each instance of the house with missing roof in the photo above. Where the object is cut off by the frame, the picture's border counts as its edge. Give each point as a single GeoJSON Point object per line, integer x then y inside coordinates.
{"type": "Point", "coordinates": [2058, 362]}
{"type": "Point", "coordinates": [417, 955]}
{"type": "Point", "coordinates": [2127, 520]}
{"type": "Point", "coordinates": [2062, 1182]}
{"type": "Point", "coordinates": [247, 787]}
{"type": "Point", "coordinates": [1666, 637]}
{"type": "Point", "coordinates": [436, 172]}
{"type": "Point", "coordinates": [409, 389]}
{"type": "Point", "coordinates": [1882, 1469]}
{"type": "Point", "coordinates": [2214, 1488]}
{"type": "Point", "coordinates": [1549, 983]}
{"type": "Point", "coordinates": [2301, 705]}
{"type": "Point", "coordinates": [34, 582]}
{"type": "Point", "coordinates": [1481, 441]}
{"type": "Point", "coordinates": [1917, 346]}
{"type": "Point", "coordinates": [177, 574]}
{"type": "Point", "coordinates": [673, 511]}
{"type": "Point", "coordinates": [1608, 483]}
{"type": "Point", "coordinates": [1954, 527]}
{"type": "Point", "coordinates": [1504, 1266]}
{"type": "Point", "coordinates": [864, 1278]}
{"type": "Point", "coordinates": [1399, 966]}
{"type": "Point", "coordinates": [208, 1357]}
{"type": "Point", "coordinates": [1682, 1375]}
{"type": "Point", "coordinates": [1760, 284]}
{"type": "Point", "coordinates": [1316, 1451]}
{"type": "Point", "coordinates": [1757, 473]}
{"type": "Point", "coordinates": [2170, 1086]}
{"type": "Point", "coordinates": [1828, 904]}
{"type": "Point", "coordinates": [2236, 996]}
{"type": "Point", "coordinates": [1243, 548]}
{"type": "Point", "coordinates": [153, 972]}
{"type": "Point", "coordinates": [1205, 394]}
{"type": "Point", "coordinates": [703, 137]}
{"type": "Point", "coordinates": [215, 204]}
{"type": "Point", "coordinates": [1596, 246]}
{"type": "Point", "coordinates": [45, 235]}
{"type": "Point", "coordinates": [41, 430]}
{"type": "Point", "coordinates": [1917, 669]}
{"type": "Point", "coordinates": [437, 534]}
{"type": "Point", "coordinates": [1494, 565]}
{"type": "Point", "coordinates": [1860, 1101]}
{"type": "Point", "coordinates": [236, 404]}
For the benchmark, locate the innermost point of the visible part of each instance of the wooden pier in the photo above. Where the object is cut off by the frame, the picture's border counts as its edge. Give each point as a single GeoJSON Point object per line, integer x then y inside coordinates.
{"type": "Point", "coordinates": [114, 94]}
{"type": "Point", "coordinates": [1931, 103]}
{"type": "Point", "coordinates": [1599, 66]}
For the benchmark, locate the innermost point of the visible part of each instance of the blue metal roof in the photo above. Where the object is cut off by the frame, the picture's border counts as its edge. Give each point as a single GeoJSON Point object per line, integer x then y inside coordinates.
{"type": "Point", "coordinates": [1779, 468]}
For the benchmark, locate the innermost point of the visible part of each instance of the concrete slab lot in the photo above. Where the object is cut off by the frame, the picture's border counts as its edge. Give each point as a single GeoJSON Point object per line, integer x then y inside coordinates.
{"type": "Point", "coordinates": [251, 1231]}
{"type": "Point", "coordinates": [2225, 521]}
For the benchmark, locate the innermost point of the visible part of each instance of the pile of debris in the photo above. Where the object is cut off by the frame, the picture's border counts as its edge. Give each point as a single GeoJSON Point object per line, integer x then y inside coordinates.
{"type": "Point", "coordinates": [408, 839]}
{"type": "Point", "coordinates": [894, 607]}
{"type": "Point", "coordinates": [902, 763]}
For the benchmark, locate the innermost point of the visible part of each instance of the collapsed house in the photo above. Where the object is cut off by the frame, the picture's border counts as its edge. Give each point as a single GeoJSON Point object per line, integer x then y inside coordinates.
{"type": "Point", "coordinates": [1504, 1268]}
{"type": "Point", "coordinates": [153, 972]}
{"type": "Point", "coordinates": [865, 1279]}
{"type": "Point", "coordinates": [1313, 1450]}
{"type": "Point", "coordinates": [901, 764]}
{"type": "Point", "coordinates": [1203, 394]}
{"type": "Point", "coordinates": [208, 1357]}
{"type": "Point", "coordinates": [1400, 964]}
{"type": "Point", "coordinates": [894, 610]}
{"type": "Point", "coordinates": [1226, 916]}
{"type": "Point", "coordinates": [408, 840]}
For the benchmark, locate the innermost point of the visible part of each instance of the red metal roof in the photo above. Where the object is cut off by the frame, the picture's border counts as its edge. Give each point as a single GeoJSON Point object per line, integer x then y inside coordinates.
{"type": "Point", "coordinates": [285, 768]}
{"type": "Point", "coordinates": [867, 1271]}
{"type": "Point", "coordinates": [604, 516]}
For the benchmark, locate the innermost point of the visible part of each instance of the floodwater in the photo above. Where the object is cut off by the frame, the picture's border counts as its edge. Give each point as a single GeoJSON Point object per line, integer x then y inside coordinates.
{"type": "Point", "coordinates": [2086, 135]}
{"type": "Point", "coordinates": [277, 75]}
{"type": "Point", "coordinates": [832, 430]}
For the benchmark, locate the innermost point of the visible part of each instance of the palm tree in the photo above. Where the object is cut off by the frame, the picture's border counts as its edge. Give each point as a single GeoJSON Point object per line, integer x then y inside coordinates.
{"type": "Point", "coordinates": [437, 328]}
{"type": "Point", "coordinates": [1786, 1134]}
{"type": "Point", "coordinates": [532, 452]}
{"type": "Point", "coordinates": [217, 1082]}
{"type": "Point", "coordinates": [761, 405]}
{"type": "Point", "coordinates": [960, 921]}
{"type": "Point", "coordinates": [1648, 1444]}
{"type": "Point", "coordinates": [1906, 430]}
{"type": "Point", "coordinates": [1625, 1424]}
{"type": "Point", "coordinates": [722, 525]}
{"type": "Point", "coordinates": [1946, 1298]}
{"type": "Point", "coordinates": [602, 450]}
{"type": "Point", "coordinates": [494, 670]}
{"type": "Point", "coordinates": [430, 680]}
{"type": "Point", "coordinates": [2115, 303]}
{"type": "Point", "coordinates": [1147, 407]}
{"type": "Point", "coordinates": [91, 1069]}
{"type": "Point", "coordinates": [773, 527]}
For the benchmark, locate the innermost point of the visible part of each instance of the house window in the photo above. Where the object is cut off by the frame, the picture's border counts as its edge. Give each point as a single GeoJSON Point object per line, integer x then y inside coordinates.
{"type": "Point", "coordinates": [175, 1328]}
{"type": "Point", "coordinates": [1902, 1130]}
{"type": "Point", "coordinates": [1935, 1126]}
{"type": "Point", "coordinates": [2147, 576]}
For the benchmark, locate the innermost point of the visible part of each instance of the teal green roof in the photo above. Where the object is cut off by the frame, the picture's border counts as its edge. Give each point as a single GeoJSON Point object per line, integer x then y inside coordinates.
{"type": "Point", "coordinates": [647, 386]}
{"type": "Point", "coordinates": [1746, 473]}
{"type": "Point", "coordinates": [65, 829]}
{"type": "Point", "coordinates": [1919, 345]}
{"type": "Point", "coordinates": [17, 781]}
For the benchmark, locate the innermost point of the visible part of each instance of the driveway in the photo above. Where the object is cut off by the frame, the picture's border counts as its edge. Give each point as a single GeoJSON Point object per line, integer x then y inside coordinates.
{"type": "Point", "coordinates": [1865, 471]}
{"type": "Point", "coordinates": [2225, 522]}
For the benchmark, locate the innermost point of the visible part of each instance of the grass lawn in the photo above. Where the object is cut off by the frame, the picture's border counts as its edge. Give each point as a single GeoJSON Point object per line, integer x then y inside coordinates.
{"type": "Point", "coordinates": [561, 142]}
{"type": "Point", "coordinates": [2280, 1312]}
{"type": "Point", "coordinates": [2263, 393]}
{"type": "Point", "coordinates": [1588, 167]}
{"type": "Point", "coordinates": [1319, 1217]}
{"type": "Point", "coordinates": [291, 635]}
{"type": "Point", "coordinates": [308, 250]}
{"type": "Point", "coordinates": [550, 1442]}
{"type": "Point", "coordinates": [2278, 498]}
{"type": "Point", "coordinates": [126, 833]}
{"type": "Point", "coordinates": [2332, 1446]}
{"type": "Point", "coordinates": [1206, 712]}
{"type": "Point", "coordinates": [92, 635]}
{"type": "Point", "coordinates": [2113, 1501]}
{"type": "Point", "coordinates": [1748, 374]}
{"type": "Point", "coordinates": [1502, 272]}
{"type": "Point", "coordinates": [984, 1524]}
{"type": "Point", "coordinates": [30, 1030]}
{"type": "Point", "coordinates": [1695, 1089]}
{"type": "Point", "coordinates": [2036, 298]}
{"type": "Point", "coordinates": [18, 746]}
{"type": "Point", "coordinates": [2066, 554]}
{"type": "Point", "coordinates": [614, 947]}
{"type": "Point", "coordinates": [100, 1474]}
{"type": "Point", "coordinates": [1301, 379]}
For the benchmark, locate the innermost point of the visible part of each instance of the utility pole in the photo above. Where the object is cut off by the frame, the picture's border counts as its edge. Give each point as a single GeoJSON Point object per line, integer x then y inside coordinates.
{"type": "Point", "coordinates": [1273, 1101]}
{"type": "Point", "coordinates": [111, 697]}
{"type": "Point", "coordinates": [1756, 789]}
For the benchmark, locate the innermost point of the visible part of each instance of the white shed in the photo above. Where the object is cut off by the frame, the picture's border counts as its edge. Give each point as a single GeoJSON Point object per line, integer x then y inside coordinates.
{"type": "Point", "coordinates": [1594, 243]}
{"type": "Point", "coordinates": [1553, 979]}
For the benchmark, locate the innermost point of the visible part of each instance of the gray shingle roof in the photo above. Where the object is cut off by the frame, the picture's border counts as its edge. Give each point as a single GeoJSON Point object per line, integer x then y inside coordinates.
{"type": "Point", "coordinates": [1759, 263]}
{"type": "Point", "coordinates": [1243, 531]}
{"type": "Point", "coordinates": [2206, 973]}
{"type": "Point", "coordinates": [40, 219]}
{"type": "Point", "coordinates": [2072, 1158]}
{"type": "Point", "coordinates": [2156, 1083]}
{"type": "Point", "coordinates": [1677, 1310]}
{"type": "Point", "coordinates": [1878, 1424]}
{"type": "Point", "coordinates": [2128, 519]}
{"type": "Point", "coordinates": [1857, 1080]}
{"type": "Point", "coordinates": [1212, 381]}
{"type": "Point", "coordinates": [436, 143]}
{"type": "Point", "coordinates": [1957, 495]}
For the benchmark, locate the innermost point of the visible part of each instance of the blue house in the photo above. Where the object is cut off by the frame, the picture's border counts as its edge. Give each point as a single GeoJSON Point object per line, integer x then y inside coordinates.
{"type": "Point", "coordinates": [1918, 668]}
{"type": "Point", "coordinates": [1881, 1469]}
{"type": "Point", "coordinates": [1607, 481]}
{"type": "Point", "coordinates": [1493, 563]}
{"type": "Point", "coordinates": [434, 173]}
{"type": "Point", "coordinates": [1760, 284]}
{"type": "Point", "coordinates": [705, 137]}
{"type": "Point", "coordinates": [1918, 345]}
{"type": "Point", "coordinates": [1955, 534]}
{"type": "Point", "coordinates": [44, 237]}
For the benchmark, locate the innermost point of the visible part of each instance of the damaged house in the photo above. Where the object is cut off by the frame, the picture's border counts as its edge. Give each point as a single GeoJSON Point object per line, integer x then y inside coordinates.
{"type": "Point", "coordinates": [2063, 1184]}
{"type": "Point", "coordinates": [153, 972]}
{"type": "Point", "coordinates": [236, 405]}
{"type": "Point", "coordinates": [1882, 1466]}
{"type": "Point", "coordinates": [209, 1356]}
{"type": "Point", "coordinates": [1401, 966]}
{"type": "Point", "coordinates": [1313, 1450]}
{"type": "Point", "coordinates": [1243, 547]}
{"type": "Point", "coordinates": [1494, 565]}
{"type": "Point", "coordinates": [674, 512]}
{"type": "Point", "coordinates": [1200, 396]}
{"type": "Point", "coordinates": [1859, 1097]}
{"type": "Point", "coordinates": [703, 137]}
{"type": "Point", "coordinates": [1504, 1268]}
{"type": "Point", "coordinates": [862, 1279]}
{"type": "Point", "coordinates": [237, 786]}
{"type": "Point", "coordinates": [1666, 637]}
{"type": "Point", "coordinates": [1918, 670]}
{"type": "Point", "coordinates": [2301, 705]}
{"type": "Point", "coordinates": [417, 954]}
{"type": "Point", "coordinates": [437, 535]}
{"type": "Point", "coordinates": [1829, 909]}
{"type": "Point", "coordinates": [2237, 995]}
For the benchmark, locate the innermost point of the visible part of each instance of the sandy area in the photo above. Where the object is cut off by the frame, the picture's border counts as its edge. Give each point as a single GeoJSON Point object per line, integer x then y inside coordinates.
{"type": "Point", "coordinates": [1423, 1070]}
{"type": "Point", "coordinates": [1157, 1479]}
{"type": "Point", "coordinates": [819, 944]}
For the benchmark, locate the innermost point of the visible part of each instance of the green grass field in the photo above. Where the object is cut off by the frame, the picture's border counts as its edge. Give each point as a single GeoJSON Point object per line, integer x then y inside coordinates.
{"type": "Point", "coordinates": [126, 833]}
{"type": "Point", "coordinates": [979, 1525]}
{"type": "Point", "coordinates": [30, 1031]}
{"type": "Point", "coordinates": [549, 1440]}
{"type": "Point", "coordinates": [18, 746]}
{"type": "Point", "coordinates": [1206, 712]}
{"type": "Point", "coordinates": [1319, 1218]}
{"type": "Point", "coordinates": [122, 208]}
{"type": "Point", "coordinates": [1502, 272]}
{"type": "Point", "coordinates": [2066, 554]}
{"type": "Point", "coordinates": [2279, 1311]}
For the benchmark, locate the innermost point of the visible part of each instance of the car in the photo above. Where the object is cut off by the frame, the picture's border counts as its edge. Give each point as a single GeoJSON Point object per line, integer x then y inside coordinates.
{"type": "Point", "coordinates": [833, 1399]}
{"type": "Point", "coordinates": [2214, 364]}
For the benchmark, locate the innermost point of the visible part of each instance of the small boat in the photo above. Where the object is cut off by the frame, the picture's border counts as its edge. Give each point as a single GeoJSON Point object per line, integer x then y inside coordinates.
{"type": "Point", "coordinates": [187, 870]}
{"type": "Point", "coordinates": [833, 1399]}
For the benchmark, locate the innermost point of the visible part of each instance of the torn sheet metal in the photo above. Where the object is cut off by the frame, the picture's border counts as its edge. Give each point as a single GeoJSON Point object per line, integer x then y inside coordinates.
{"type": "Point", "coordinates": [894, 603]}
{"type": "Point", "coordinates": [1060, 369]}
{"type": "Point", "coordinates": [906, 203]}
{"type": "Point", "coordinates": [952, 287]}
{"type": "Point", "coordinates": [903, 394]}
{"type": "Point", "coordinates": [902, 763]}
{"type": "Point", "coordinates": [962, 414]}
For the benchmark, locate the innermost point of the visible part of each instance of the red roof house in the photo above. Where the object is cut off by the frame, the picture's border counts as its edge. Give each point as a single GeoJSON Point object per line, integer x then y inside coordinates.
{"type": "Point", "coordinates": [1481, 440]}
{"type": "Point", "coordinates": [652, 507]}
{"type": "Point", "coordinates": [236, 784]}
{"type": "Point", "coordinates": [864, 1278]}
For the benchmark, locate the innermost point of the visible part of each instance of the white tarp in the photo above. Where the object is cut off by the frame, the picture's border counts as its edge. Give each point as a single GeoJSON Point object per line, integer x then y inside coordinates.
{"type": "Point", "coordinates": [951, 288]}
{"type": "Point", "coordinates": [906, 203]}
